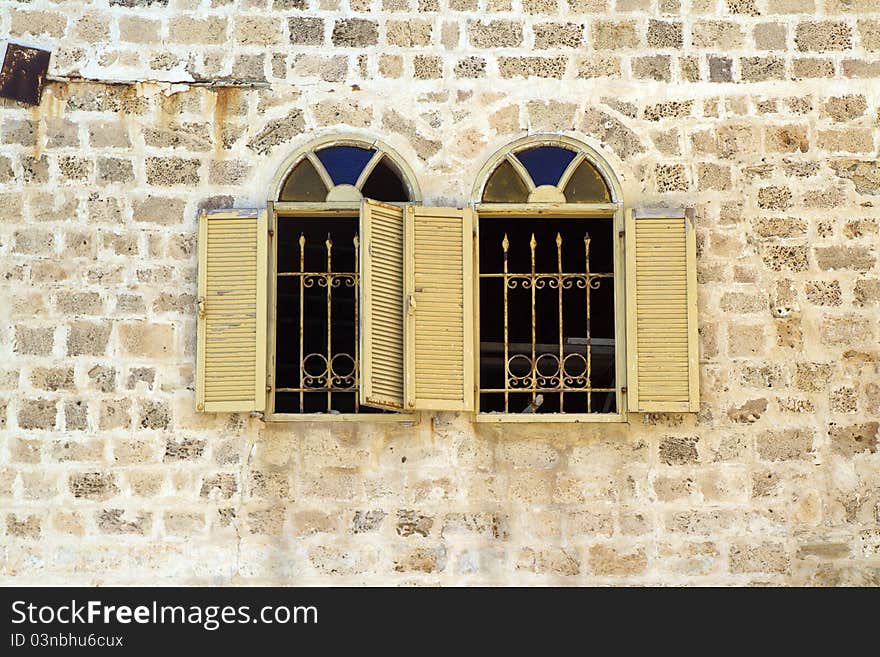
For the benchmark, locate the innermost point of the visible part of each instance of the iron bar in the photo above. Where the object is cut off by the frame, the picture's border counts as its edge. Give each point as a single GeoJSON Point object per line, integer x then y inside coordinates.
{"type": "Point", "coordinates": [533, 244]}
{"type": "Point", "coordinates": [329, 244]}
{"type": "Point", "coordinates": [302, 267]}
{"type": "Point", "coordinates": [505, 245]}
{"type": "Point", "coordinates": [357, 360]}
{"type": "Point", "coordinates": [561, 354]}
{"type": "Point", "coordinates": [589, 346]}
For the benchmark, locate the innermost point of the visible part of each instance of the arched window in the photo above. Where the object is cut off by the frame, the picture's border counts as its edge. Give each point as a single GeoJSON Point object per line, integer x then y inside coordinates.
{"type": "Point", "coordinates": [549, 219]}
{"type": "Point", "coordinates": [315, 313]}
{"type": "Point", "coordinates": [346, 296]}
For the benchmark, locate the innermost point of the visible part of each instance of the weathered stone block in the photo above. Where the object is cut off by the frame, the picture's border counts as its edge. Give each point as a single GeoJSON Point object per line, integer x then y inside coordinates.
{"type": "Point", "coordinates": [170, 171]}
{"type": "Point", "coordinates": [718, 35]}
{"type": "Point", "coordinates": [115, 414]}
{"type": "Point", "coordinates": [858, 258]}
{"type": "Point", "coordinates": [676, 450]}
{"type": "Point", "coordinates": [822, 36]}
{"type": "Point", "coordinates": [864, 174]}
{"type": "Point", "coordinates": [306, 31]}
{"type": "Point", "coordinates": [29, 527]}
{"type": "Point", "coordinates": [146, 339]}
{"type": "Point", "coordinates": [52, 378]}
{"type": "Point", "coordinates": [623, 141]}
{"type": "Point", "coordinates": [138, 29]}
{"type": "Point", "coordinates": [653, 67]}
{"type": "Point", "coordinates": [785, 444]}
{"type": "Point", "coordinates": [668, 109]}
{"type": "Point", "coordinates": [158, 210]}
{"type": "Point", "coordinates": [770, 36]}
{"type": "Point", "coordinates": [37, 23]}
{"type": "Point", "coordinates": [664, 34]}
{"type": "Point", "coordinates": [614, 35]}
{"type": "Point", "coordinates": [278, 131]}
{"type": "Point", "coordinates": [257, 30]}
{"type": "Point", "coordinates": [118, 521]}
{"type": "Point", "coordinates": [617, 561]}
{"type": "Point", "coordinates": [759, 69]}
{"type": "Point", "coordinates": [184, 450]}
{"type": "Point", "coordinates": [93, 485]}
{"type": "Point", "coordinates": [558, 35]}
{"type": "Point", "coordinates": [867, 292]}
{"type": "Point", "coordinates": [355, 33]}
{"type": "Point", "coordinates": [553, 561]}
{"type": "Point", "coordinates": [34, 341]}
{"type": "Point", "coordinates": [195, 30]}
{"type": "Point", "coordinates": [154, 414]}
{"type": "Point", "coordinates": [848, 330]}
{"type": "Point", "coordinates": [408, 33]}
{"type": "Point", "coordinates": [88, 339]}
{"type": "Point", "coordinates": [767, 557]}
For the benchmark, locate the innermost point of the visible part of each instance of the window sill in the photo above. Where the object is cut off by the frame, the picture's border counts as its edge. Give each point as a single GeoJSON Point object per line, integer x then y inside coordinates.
{"type": "Point", "coordinates": [342, 417]}
{"type": "Point", "coordinates": [578, 418]}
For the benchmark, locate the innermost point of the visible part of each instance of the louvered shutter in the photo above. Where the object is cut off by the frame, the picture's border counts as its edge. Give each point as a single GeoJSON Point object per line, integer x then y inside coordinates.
{"type": "Point", "coordinates": [381, 290]}
{"type": "Point", "coordinates": [231, 347]}
{"type": "Point", "coordinates": [661, 310]}
{"type": "Point", "coordinates": [439, 327]}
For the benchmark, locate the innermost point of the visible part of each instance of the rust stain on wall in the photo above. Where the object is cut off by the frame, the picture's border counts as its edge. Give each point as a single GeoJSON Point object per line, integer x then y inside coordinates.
{"type": "Point", "coordinates": [224, 98]}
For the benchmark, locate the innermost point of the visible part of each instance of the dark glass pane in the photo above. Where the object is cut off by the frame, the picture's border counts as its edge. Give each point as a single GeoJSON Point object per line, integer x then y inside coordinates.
{"type": "Point", "coordinates": [344, 163]}
{"type": "Point", "coordinates": [303, 184]}
{"type": "Point", "coordinates": [505, 186]}
{"type": "Point", "coordinates": [545, 164]}
{"type": "Point", "coordinates": [584, 332]}
{"type": "Point", "coordinates": [310, 313]}
{"type": "Point", "coordinates": [385, 185]}
{"type": "Point", "coordinates": [586, 186]}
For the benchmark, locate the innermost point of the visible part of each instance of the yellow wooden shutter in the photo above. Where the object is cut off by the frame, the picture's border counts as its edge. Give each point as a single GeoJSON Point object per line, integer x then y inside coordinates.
{"type": "Point", "coordinates": [231, 347]}
{"type": "Point", "coordinates": [661, 311]}
{"type": "Point", "coordinates": [439, 335]}
{"type": "Point", "coordinates": [381, 290]}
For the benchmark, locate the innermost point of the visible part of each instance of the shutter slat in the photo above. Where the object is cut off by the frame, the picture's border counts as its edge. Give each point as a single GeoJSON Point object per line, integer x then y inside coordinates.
{"type": "Point", "coordinates": [381, 289]}
{"type": "Point", "coordinates": [439, 327]}
{"type": "Point", "coordinates": [661, 312]}
{"type": "Point", "coordinates": [231, 347]}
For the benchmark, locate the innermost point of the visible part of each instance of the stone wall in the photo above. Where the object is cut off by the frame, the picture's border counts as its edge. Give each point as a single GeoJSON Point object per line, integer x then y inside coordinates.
{"type": "Point", "coordinates": [761, 114]}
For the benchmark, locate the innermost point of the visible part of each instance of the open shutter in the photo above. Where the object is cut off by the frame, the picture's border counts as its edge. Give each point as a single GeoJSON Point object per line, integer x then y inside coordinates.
{"type": "Point", "coordinates": [231, 347]}
{"type": "Point", "coordinates": [661, 311]}
{"type": "Point", "coordinates": [381, 290]}
{"type": "Point", "coordinates": [439, 335]}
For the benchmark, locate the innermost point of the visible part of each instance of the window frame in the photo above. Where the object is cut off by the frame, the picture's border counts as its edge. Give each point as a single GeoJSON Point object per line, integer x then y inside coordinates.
{"type": "Point", "coordinates": [294, 209]}
{"type": "Point", "coordinates": [350, 209]}
{"type": "Point", "coordinates": [614, 210]}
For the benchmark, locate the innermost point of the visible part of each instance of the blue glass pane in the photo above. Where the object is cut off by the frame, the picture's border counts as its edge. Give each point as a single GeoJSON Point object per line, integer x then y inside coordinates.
{"type": "Point", "coordinates": [344, 163]}
{"type": "Point", "coordinates": [545, 164]}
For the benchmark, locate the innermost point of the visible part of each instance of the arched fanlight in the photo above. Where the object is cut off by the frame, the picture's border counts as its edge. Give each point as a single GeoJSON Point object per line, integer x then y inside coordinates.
{"type": "Point", "coordinates": [345, 171]}
{"type": "Point", "coordinates": [546, 172]}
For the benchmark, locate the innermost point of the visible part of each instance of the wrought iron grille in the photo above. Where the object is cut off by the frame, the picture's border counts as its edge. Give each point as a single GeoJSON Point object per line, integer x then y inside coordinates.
{"type": "Point", "coordinates": [325, 371]}
{"type": "Point", "coordinates": [538, 368]}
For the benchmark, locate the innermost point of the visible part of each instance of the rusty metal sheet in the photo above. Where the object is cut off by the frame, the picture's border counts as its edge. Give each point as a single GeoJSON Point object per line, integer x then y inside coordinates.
{"type": "Point", "coordinates": [23, 73]}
